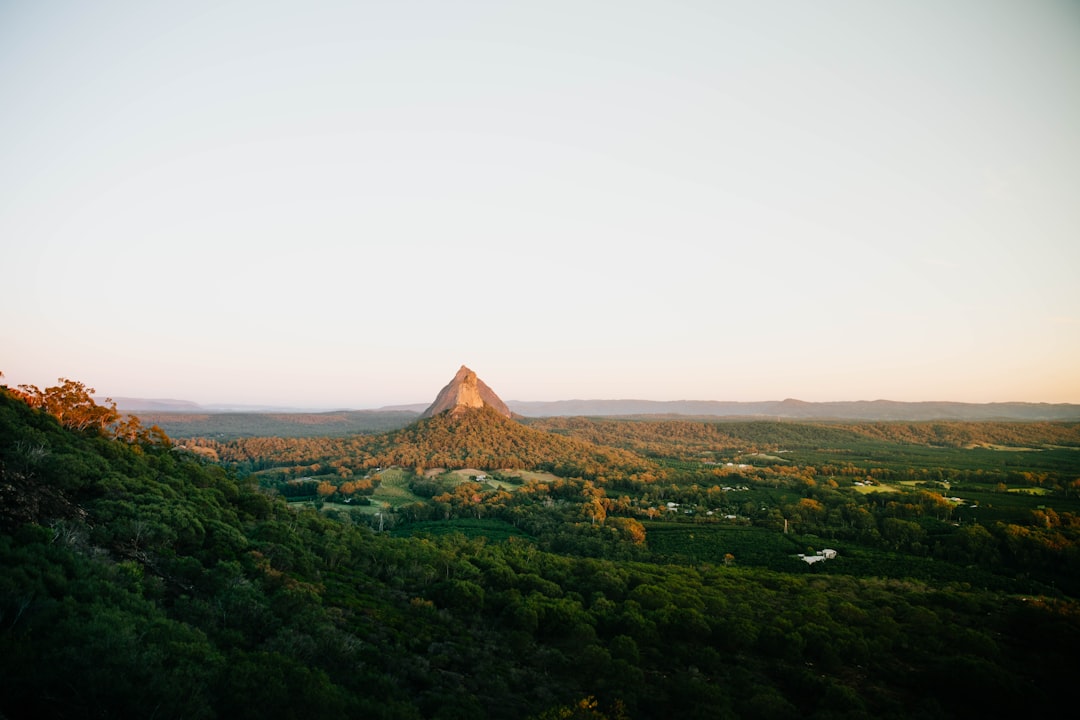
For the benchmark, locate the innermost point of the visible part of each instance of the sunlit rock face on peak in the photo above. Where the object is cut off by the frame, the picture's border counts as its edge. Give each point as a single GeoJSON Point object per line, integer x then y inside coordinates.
{"type": "Point", "coordinates": [464, 392]}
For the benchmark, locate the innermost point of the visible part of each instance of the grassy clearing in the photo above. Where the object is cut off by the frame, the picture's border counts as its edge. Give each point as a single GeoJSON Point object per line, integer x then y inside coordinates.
{"type": "Point", "coordinates": [325, 505]}
{"type": "Point", "coordinates": [469, 473]}
{"type": "Point", "coordinates": [394, 489]}
{"type": "Point", "coordinates": [878, 487]}
{"type": "Point", "coordinates": [763, 456]}
{"type": "Point", "coordinates": [350, 507]}
{"type": "Point", "coordinates": [527, 475]}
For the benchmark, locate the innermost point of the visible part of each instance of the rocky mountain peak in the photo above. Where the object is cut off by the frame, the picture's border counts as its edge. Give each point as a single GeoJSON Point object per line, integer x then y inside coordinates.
{"type": "Point", "coordinates": [464, 392]}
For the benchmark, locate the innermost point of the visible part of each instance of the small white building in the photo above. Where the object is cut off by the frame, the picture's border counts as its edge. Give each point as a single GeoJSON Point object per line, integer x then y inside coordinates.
{"type": "Point", "coordinates": [819, 556]}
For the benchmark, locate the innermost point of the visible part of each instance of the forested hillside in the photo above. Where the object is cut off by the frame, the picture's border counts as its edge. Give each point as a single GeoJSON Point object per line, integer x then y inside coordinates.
{"type": "Point", "coordinates": [138, 579]}
{"type": "Point", "coordinates": [690, 435]}
{"type": "Point", "coordinates": [486, 440]}
{"type": "Point", "coordinates": [483, 440]}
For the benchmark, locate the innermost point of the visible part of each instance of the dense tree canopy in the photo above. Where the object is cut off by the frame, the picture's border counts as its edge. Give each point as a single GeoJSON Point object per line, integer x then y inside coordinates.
{"type": "Point", "coordinates": [141, 579]}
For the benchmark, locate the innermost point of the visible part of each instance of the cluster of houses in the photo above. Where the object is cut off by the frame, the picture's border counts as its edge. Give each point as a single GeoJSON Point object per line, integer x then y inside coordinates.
{"type": "Point", "coordinates": [674, 507]}
{"type": "Point", "coordinates": [819, 556]}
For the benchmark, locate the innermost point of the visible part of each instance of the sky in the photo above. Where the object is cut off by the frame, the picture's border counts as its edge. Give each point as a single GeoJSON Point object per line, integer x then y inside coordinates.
{"type": "Point", "coordinates": [337, 204]}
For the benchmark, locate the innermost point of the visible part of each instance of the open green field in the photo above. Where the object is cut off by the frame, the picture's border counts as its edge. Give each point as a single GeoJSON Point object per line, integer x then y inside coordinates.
{"type": "Point", "coordinates": [470, 473]}
{"type": "Point", "coordinates": [350, 507]}
{"type": "Point", "coordinates": [878, 487]}
{"type": "Point", "coordinates": [394, 489]}
{"type": "Point", "coordinates": [527, 475]}
{"type": "Point", "coordinates": [1003, 448]}
{"type": "Point", "coordinates": [467, 474]}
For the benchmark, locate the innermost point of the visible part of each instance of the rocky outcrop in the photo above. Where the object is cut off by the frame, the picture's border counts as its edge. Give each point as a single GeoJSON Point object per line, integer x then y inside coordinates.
{"type": "Point", "coordinates": [464, 392]}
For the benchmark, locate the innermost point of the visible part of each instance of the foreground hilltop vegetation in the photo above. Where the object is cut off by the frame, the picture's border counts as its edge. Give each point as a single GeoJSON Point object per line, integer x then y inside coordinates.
{"type": "Point", "coordinates": [139, 578]}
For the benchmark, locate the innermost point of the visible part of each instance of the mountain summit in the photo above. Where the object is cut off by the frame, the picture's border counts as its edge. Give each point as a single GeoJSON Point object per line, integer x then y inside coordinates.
{"type": "Point", "coordinates": [464, 392]}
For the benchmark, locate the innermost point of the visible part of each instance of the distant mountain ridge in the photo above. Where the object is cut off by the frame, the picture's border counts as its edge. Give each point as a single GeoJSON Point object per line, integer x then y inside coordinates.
{"type": "Point", "coordinates": [130, 404]}
{"type": "Point", "coordinates": [168, 405]}
{"type": "Point", "coordinates": [869, 410]}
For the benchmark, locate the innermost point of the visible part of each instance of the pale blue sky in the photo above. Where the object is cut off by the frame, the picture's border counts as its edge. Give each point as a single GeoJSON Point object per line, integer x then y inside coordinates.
{"type": "Point", "coordinates": [339, 203]}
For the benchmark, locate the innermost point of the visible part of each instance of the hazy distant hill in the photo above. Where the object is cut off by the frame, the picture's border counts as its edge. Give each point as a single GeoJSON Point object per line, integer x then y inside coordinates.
{"type": "Point", "coordinates": [857, 410]}
{"type": "Point", "coordinates": [131, 405]}
{"type": "Point", "coordinates": [181, 419]}
{"type": "Point", "coordinates": [225, 425]}
{"type": "Point", "coordinates": [141, 405]}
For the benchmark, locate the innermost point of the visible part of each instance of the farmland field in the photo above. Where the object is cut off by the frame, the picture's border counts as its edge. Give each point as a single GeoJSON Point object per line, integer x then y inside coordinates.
{"type": "Point", "coordinates": [394, 488]}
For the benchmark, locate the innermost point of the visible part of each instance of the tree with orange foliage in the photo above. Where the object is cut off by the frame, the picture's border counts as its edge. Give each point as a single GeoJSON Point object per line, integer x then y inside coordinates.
{"type": "Point", "coordinates": [71, 403]}
{"type": "Point", "coordinates": [587, 708]}
{"type": "Point", "coordinates": [629, 528]}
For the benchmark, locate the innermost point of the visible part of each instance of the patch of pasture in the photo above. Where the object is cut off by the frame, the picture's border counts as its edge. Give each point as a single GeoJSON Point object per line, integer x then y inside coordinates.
{"type": "Point", "coordinates": [473, 475]}
{"type": "Point", "coordinates": [470, 474]}
{"type": "Point", "coordinates": [1002, 448]}
{"type": "Point", "coordinates": [467, 473]}
{"type": "Point", "coordinates": [369, 509]}
{"type": "Point", "coordinates": [766, 456]}
{"type": "Point", "coordinates": [880, 487]}
{"type": "Point", "coordinates": [394, 489]}
{"type": "Point", "coordinates": [527, 475]}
